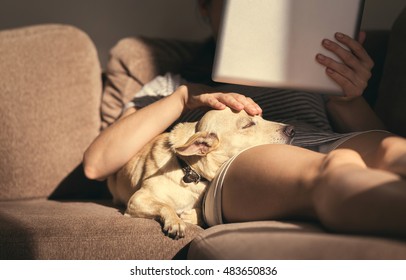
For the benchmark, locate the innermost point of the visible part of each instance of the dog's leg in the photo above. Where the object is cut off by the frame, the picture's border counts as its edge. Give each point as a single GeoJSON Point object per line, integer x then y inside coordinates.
{"type": "Point", "coordinates": [142, 205]}
{"type": "Point", "coordinates": [193, 216]}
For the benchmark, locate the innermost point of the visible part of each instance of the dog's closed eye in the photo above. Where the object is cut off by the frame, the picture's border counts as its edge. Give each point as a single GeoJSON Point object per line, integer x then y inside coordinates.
{"type": "Point", "coordinates": [249, 124]}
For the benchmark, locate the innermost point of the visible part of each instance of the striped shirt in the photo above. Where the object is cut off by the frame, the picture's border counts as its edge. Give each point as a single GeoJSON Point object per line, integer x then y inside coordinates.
{"type": "Point", "coordinates": [306, 111]}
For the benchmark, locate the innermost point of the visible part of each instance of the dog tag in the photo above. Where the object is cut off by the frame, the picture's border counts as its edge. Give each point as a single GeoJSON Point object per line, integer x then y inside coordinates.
{"type": "Point", "coordinates": [190, 176]}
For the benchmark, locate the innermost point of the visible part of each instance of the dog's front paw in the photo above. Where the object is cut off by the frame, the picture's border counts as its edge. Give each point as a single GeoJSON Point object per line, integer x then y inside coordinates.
{"type": "Point", "coordinates": [175, 229]}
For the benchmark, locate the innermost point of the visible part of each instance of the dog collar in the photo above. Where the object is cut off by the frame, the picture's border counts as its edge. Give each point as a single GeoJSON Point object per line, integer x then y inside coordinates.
{"type": "Point", "coordinates": [191, 176]}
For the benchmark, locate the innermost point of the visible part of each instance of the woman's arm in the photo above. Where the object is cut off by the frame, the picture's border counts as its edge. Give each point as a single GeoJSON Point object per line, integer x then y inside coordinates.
{"type": "Point", "coordinates": [350, 112]}
{"type": "Point", "coordinates": [352, 115]}
{"type": "Point", "coordinates": [117, 144]}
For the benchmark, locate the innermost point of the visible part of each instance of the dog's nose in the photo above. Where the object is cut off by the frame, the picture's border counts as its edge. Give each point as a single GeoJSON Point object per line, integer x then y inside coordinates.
{"type": "Point", "coordinates": [289, 130]}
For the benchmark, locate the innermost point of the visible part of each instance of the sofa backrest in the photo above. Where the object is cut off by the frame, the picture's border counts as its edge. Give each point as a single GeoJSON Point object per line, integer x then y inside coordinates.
{"type": "Point", "coordinates": [134, 61]}
{"type": "Point", "coordinates": [50, 92]}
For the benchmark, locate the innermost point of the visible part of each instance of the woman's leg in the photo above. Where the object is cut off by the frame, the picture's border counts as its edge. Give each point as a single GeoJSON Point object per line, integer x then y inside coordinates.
{"type": "Point", "coordinates": [364, 199]}
{"type": "Point", "coordinates": [277, 181]}
{"type": "Point", "coordinates": [350, 197]}
{"type": "Point", "coordinates": [270, 182]}
{"type": "Point", "coordinates": [380, 150]}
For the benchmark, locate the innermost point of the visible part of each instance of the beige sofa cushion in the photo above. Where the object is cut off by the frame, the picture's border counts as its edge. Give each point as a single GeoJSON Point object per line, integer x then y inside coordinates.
{"type": "Point", "coordinates": [46, 229]}
{"type": "Point", "coordinates": [50, 90]}
{"type": "Point", "coordinates": [289, 241]}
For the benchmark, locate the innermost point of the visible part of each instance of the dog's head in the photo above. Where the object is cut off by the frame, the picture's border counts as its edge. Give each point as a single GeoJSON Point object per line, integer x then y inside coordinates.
{"type": "Point", "coordinates": [220, 134]}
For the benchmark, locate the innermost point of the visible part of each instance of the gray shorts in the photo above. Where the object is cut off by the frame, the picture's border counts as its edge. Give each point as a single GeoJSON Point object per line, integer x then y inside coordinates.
{"type": "Point", "coordinates": [212, 208]}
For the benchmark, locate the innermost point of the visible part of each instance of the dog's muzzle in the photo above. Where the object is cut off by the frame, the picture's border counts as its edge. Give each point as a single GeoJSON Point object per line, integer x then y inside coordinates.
{"type": "Point", "coordinates": [289, 131]}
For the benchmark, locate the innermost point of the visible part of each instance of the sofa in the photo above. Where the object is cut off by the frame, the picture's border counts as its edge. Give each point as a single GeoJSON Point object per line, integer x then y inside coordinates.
{"type": "Point", "coordinates": [54, 100]}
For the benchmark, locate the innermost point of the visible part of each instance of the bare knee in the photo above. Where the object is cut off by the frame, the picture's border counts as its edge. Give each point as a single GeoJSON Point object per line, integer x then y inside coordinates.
{"type": "Point", "coordinates": [341, 157]}
{"type": "Point", "coordinates": [391, 154]}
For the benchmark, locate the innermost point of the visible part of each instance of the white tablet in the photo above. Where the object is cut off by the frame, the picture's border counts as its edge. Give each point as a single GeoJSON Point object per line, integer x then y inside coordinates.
{"type": "Point", "coordinates": [273, 43]}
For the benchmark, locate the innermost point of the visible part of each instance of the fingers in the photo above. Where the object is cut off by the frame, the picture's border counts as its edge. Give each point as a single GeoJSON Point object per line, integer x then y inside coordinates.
{"type": "Point", "coordinates": [240, 102]}
{"type": "Point", "coordinates": [235, 101]}
{"type": "Point", "coordinates": [195, 95]}
{"type": "Point", "coordinates": [362, 37]}
{"type": "Point", "coordinates": [213, 102]}
{"type": "Point", "coordinates": [356, 48]}
{"type": "Point", "coordinates": [354, 70]}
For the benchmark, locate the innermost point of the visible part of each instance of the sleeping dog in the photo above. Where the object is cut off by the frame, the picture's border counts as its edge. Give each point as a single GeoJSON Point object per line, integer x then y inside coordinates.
{"type": "Point", "coordinates": [167, 179]}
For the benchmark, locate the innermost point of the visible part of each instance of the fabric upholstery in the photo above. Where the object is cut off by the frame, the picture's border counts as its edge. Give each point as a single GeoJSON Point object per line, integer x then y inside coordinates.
{"type": "Point", "coordinates": [50, 91]}
{"type": "Point", "coordinates": [392, 91]}
{"type": "Point", "coordinates": [45, 229]}
{"type": "Point", "coordinates": [50, 94]}
{"type": "Point", "coordinates": [290, 241]}
{"type": "Point", "coordinates": [135, 61]}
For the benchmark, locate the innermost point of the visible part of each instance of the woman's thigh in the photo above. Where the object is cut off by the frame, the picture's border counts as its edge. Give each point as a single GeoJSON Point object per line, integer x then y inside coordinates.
{"type": "Point", "coordinates": [270, 181]}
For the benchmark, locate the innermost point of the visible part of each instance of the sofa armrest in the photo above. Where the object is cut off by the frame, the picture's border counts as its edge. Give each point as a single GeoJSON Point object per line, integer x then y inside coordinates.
{"type": "Point", "coordinates": [50, 91]}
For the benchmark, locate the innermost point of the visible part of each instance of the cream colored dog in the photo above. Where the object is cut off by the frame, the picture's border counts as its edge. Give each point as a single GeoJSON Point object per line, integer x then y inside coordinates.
{"type": "Point", "coordinates": [165, 180]}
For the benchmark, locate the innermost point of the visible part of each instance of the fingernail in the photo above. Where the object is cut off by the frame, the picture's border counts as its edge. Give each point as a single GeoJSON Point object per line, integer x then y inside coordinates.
{"type": "Point", "coordinates": [326, 42]}
{"type": "Point", "coordinates": [339, 35]}
{"type": "Point", "coordinates": [321, 57]}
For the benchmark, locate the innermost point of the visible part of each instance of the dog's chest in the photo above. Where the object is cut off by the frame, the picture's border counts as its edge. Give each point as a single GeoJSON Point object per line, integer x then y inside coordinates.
{"type": "Point", "coordinates": [179, 195]}
{"type": "Point", "coordinates": [195, 189]}
{"type": "Point", "coordinates": [190, 196]}
{"type": "Point", "coordinates": [192, 190]}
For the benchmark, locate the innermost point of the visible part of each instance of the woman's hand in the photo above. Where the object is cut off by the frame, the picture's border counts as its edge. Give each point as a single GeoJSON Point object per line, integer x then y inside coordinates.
{"type": "Point", "coordinates": [196, 95]}
{"type": "Point", "coordinates": [353, 73]}
{"type": "Point", "coordinates": [349, 112]}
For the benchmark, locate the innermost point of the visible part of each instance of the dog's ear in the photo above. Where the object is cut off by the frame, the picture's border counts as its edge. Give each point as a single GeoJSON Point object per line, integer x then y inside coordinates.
{"type": "Point", "coordinates": [199, 144]}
